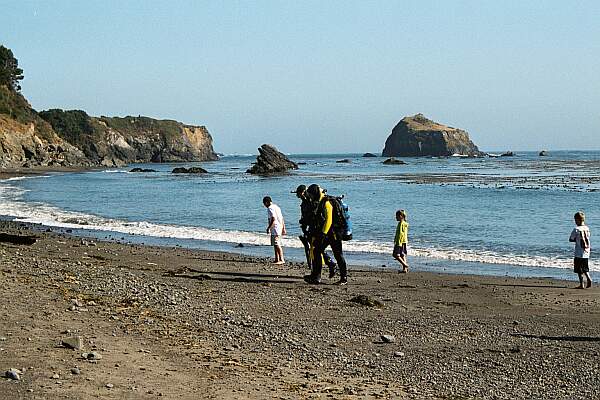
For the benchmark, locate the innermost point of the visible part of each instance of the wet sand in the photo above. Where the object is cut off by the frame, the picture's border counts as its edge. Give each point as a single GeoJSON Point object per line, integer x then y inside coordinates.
{"type": "Point", "coordinates": [187, 324]}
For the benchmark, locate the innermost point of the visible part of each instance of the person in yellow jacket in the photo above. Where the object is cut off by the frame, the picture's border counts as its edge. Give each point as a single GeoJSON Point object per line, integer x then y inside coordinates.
{"type": "Point", "coordinates": [401, 240]}
{"type": "Point", "coordinates": [325, 235]}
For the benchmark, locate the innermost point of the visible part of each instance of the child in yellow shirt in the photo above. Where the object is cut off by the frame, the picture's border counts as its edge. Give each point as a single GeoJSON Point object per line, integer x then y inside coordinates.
{"type": "Point", "coordinates": [401, 240]}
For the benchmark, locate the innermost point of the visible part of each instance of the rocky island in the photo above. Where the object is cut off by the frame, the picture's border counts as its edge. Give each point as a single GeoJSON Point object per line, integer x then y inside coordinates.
{"type": "Point", "coordinates": [417, 136]}
{"type": "Point", "coordinates": [271, 161]}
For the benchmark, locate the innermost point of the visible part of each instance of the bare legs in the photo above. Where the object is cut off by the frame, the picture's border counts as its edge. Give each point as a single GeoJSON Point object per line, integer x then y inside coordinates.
{"type": "Point", "coordinates": [279, 255]}
{"type": "Point", "coordinates": [589, 280]}
{"type": "Point", "coordinates": [402, 260]}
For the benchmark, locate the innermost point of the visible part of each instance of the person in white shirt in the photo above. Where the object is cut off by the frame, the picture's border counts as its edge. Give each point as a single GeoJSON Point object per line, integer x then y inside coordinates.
{"type": "Point", "coordinates": [581, 236]}
{"type": "Point", "coordinates": [276, 227]}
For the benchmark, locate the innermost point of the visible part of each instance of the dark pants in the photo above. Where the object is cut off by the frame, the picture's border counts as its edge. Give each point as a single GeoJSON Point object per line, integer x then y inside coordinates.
{"type": "Point", "coordinates": [336, 247]}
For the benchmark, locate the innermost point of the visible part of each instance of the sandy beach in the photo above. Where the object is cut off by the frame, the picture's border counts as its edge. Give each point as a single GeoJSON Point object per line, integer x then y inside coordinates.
{"type": "Point", "coordinates": [177, 323]}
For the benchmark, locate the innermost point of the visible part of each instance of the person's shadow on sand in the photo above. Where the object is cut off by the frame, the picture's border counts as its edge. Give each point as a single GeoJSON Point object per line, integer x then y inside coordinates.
{"type": "Point", "coordinates": [560, 338]}
{"type": "Point", "coordinates": [246, 277]}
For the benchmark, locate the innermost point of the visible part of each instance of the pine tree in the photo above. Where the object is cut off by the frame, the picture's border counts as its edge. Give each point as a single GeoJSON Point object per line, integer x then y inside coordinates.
{"type": "Point", "coordinates": [10, 73]}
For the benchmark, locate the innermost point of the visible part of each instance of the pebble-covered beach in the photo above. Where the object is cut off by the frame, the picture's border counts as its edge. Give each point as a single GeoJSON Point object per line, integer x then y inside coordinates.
{"type": "Point", "coordinates": [85, 319]}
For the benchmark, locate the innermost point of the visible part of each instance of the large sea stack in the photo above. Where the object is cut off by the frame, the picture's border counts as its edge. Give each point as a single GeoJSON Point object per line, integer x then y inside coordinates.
{"type": "Point", "coordinates": [418, 136]}
{"type": "Point", "coordinates": [271, 161]}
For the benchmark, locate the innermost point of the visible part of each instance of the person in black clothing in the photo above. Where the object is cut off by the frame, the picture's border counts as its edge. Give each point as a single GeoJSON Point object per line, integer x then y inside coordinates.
{"type": "Point", "coordinates": [307, 222]}
{"type": "Point", "coordinates": [325, 235]}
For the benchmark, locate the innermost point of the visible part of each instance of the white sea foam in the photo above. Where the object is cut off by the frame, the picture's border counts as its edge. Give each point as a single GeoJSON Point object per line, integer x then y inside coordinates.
{"type": "Point", "coordinates": [11, 204]}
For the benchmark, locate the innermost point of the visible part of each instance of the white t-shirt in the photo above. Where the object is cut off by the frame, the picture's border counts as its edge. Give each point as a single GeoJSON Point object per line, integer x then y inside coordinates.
{"type": "Point", "coordinates": [581, 236]}
{"type": "Point", "coordinates": [273, 211]}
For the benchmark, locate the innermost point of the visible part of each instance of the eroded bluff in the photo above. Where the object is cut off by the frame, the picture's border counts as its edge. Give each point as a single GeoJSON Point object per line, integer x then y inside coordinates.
{"type": "Point", "coordinates": [73, 138]}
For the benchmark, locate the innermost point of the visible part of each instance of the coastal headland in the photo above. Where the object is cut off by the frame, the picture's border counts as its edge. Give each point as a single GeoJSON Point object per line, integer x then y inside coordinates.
{"type": "Point", "coordinates": [176, 323]}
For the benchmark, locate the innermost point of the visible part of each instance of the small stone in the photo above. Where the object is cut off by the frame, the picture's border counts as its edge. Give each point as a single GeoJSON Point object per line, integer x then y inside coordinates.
{"type": "Point", "coordinates": [55, 376]}
{"type": "Point", "coordinates": [13, 374]}
{"type": "Point", "coordinates": [75, 371]}
{"type": "Point", "coordinates": [388, 339]}
{"type": "Point", "coordinates": [93, 356]}
{"type": "Point", "coordinates": [398, 354]}
{"type": "Point", "coordinates": [76, 302]}
{"type": "Point", "coordinates": [110, 385]}
{"type": "Point", "coordinates": [74, 342]}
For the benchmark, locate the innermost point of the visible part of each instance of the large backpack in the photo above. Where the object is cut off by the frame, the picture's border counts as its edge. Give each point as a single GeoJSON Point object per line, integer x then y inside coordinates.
{"type": "Point", "coordinates": [342, 224]}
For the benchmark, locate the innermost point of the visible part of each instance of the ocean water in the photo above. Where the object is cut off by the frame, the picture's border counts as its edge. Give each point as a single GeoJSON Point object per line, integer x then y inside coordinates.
{"type": "Point", "coordinates": [502, 216]}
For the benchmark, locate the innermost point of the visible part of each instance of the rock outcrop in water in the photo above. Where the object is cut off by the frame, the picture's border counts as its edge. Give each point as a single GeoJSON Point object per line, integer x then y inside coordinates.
{"type": "Point", "coordinates": [393, 161]}
{"type": "Point", "coordinates": [191, 170]}
{"type": "Point", "coordinates": [271, 161]}
{"type": "Point", "coordinates": [418, 136]}
{"type": "Point", "coordinates": [73, 138]}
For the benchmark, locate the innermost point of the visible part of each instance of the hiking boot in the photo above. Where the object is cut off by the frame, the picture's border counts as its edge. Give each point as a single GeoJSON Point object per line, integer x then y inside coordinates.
{"type": "Point", "coordinates": [342, 282]}
{"type": "Point", "coordinates": [311, 280]}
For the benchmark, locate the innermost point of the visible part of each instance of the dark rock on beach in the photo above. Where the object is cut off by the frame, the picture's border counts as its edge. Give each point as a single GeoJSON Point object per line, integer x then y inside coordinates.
{"type": "Point", "coordinates": [393, 161]}
{"type": "Point", "coordinates": [418, 136]}
{"type": "Point", "coordinates": [191, 170]}
{"type": "Point", "coordinates": [271, 161]}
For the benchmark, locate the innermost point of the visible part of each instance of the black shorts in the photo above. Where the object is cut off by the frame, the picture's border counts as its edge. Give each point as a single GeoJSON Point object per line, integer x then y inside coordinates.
{"type": "Point", "coordinates": [581, 265]}
{"type": "Point", "coordinates": [400, 250]}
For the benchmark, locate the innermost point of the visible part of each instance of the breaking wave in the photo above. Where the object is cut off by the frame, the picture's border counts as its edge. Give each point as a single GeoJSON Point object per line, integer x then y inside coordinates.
{"type": "Point", "coordinates": [12, 205]}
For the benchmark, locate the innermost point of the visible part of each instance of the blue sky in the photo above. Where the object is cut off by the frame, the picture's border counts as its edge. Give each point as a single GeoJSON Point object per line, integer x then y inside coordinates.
{"type": "Point", "coordinates": [314, 76]}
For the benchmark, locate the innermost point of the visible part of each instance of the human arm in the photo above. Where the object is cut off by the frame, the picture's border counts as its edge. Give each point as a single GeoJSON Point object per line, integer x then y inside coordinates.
{"type": "Point", "coordinates": [397, 237]}
{"type": "Point", "coordinates": [585, 239]}
{"type": "Point", "coordinates": [573, 236]}
{"type": "Point", "coordinates": [271, 221]}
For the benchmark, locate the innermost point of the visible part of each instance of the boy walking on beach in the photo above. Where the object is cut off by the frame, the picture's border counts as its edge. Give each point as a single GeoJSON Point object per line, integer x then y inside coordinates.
{"type": "Point", "coordinates": [401, 240]}
{"type": "Point", "coordinates": [581, 236]}
{"type": "Point", "coordinates": [276, 227]}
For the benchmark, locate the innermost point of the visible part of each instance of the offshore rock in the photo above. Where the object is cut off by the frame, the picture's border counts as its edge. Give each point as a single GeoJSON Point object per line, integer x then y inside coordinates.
{"type": "Point", "coordinates": [543, 153]}
{"type": "Point", "coordinates": [369, 155]}
{"type": "Point", "coordinates": [393, 161]}
{"type": "Point", "coordinates": [270, 161]}
{"type": "Point", "coordinates": [192, 170]}
{"type": "Point", "coordinates": [142, 170]}
{"type": "Point", "coordinates": [418, 136]}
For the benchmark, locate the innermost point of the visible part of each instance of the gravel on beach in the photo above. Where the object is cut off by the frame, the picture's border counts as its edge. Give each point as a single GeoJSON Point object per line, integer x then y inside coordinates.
{"type": "Point", "coordinates": [85, 319]}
